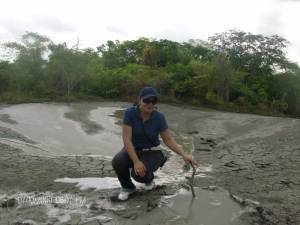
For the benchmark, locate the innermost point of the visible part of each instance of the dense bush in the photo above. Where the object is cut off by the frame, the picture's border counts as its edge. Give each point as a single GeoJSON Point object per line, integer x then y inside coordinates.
{"type": "Point", "coordinates": [235, 70]}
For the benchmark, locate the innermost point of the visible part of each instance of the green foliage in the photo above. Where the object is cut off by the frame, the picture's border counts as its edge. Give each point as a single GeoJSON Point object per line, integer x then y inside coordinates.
{"type": "Point", "coordinates": [68, 68]}
{"type": "Point", "coordinates": [149, 57]}
{"type": "Point", "coordinates": [235, 71]}
{"type": "Point", "coordinates": [28, 68]}
{"type": "Point", "coordinates": [213, 99]}
{"type": "Point", "coordinates": [256, 54]}
{"type": "Point", "coordinates": [285, 91]}
{"type": "Point", "coordinates": [5, 76]}
{"type": "Point", "coordinates": [221, 77]}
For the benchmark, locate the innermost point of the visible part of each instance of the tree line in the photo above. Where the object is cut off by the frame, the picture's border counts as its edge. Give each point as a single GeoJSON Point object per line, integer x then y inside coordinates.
{"type": "Point", "coordinates": [234, 70]}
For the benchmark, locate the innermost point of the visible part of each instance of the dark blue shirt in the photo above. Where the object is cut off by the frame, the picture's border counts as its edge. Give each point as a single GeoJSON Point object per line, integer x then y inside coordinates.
{"type": "Point", "coordinates": [153, 126]}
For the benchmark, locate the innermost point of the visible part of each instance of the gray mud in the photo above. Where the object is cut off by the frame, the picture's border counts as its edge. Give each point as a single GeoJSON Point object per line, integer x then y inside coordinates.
{"type": "Point", "coordinates": [254, 176]}
{"type": "Point", "coordinates": [254, 157]}
{"type": "Point", "coordinates": [6, 119]}
{"type": "Point", "coordinates": [81, 113]}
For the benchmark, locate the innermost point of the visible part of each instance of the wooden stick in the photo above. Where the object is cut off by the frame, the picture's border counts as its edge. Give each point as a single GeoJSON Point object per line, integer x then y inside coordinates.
{"type": "Point", "coordinates": [192, 180]}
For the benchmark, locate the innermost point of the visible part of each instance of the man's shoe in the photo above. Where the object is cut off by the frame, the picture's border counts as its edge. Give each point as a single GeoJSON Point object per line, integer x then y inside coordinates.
{"type": "Point", "coordinates": [149, 186]}
{"type": "Point", "coordinates": [125, 192]}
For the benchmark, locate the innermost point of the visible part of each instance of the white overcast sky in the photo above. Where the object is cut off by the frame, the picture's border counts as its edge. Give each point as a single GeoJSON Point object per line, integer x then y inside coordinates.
{"type": "Point", "coordinates": [96, 21]}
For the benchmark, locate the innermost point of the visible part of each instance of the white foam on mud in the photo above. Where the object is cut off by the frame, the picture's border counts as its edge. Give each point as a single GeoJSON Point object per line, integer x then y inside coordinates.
{"type": "Point", "coordinates": [105, 183]}
{"type": "Point", "coordinates": [104, 157]}
{"type": "Point", "coordinates": [68, 205]}
{"type": "Point", "coordinates": [97, 183]}
{"type": "Point", "coordinates": [61, 214]}
{"type": "Point", "coordinates": [215, 202]}
{"type": "Point", "coordinates": [201, 175]}
{"type": "Point", "coordinates": [101, 219]}
{"type": "Point", "coordinates": [31, 222]}
{"type": "Point", "coordinates": [162, 177]}
{"type": "Point", "coordinates": [2, 197]}
{"type": "Point", "coordinates": [205, 169]}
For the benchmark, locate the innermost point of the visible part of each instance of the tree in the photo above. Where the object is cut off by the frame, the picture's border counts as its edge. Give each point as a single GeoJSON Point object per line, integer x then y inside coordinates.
{"type": "Point", "coordinates": [117, 54]}
{"type": "Point", "coordinates": [6, 73]}
{"type": "Point", "coordinates": [284, 89]}
{"type": "Point", "coordinates": [149, 57]}
{"type": "Point", "coordinates": [221, 77]}
{"type": "Point", "coordinates": [29, 61]}
{"type": "Point", "coordinates": [256, 54]}
{"type": "Point", "coordinates": [167, 52]}
{"type": "Point", "coordinates": [67, 68]}
{"type": "Point", "coordinates": [199, 50]}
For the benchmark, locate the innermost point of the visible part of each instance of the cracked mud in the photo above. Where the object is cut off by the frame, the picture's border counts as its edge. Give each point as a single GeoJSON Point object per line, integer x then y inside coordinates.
{"type": "Point", "coordinates": [253, 159]}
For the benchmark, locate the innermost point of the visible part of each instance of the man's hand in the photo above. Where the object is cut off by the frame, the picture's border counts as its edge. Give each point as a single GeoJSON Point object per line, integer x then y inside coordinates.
{"type": "Point", "coordinates": [189, 159]}
{"type": "Point", "coordinates": [139, 168]}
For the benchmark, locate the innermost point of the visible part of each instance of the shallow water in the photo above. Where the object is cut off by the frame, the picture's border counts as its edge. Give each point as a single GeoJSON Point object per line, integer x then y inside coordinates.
{"type": "Point", "coordinates": [208, 208]}
{"type": "Point", "coordinates": [54, 133]}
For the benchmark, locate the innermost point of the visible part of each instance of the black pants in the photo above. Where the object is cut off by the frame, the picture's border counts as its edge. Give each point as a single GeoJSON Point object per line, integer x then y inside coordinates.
{"type": "Point", "coordinates": [152, 159]}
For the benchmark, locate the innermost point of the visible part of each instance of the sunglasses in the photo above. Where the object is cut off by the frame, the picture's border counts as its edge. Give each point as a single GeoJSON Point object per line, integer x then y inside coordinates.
{"type": "Point", "coordinates": [150, 100]}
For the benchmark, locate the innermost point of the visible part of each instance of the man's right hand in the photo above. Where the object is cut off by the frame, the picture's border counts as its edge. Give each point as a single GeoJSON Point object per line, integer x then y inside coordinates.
{"type": "Point", "coordinates": [139, 168]}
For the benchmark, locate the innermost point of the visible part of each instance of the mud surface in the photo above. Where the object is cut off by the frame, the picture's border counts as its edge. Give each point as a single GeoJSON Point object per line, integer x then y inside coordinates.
{"type": "Point", "coordinates": [61, 128]}
{"type": "Point", "coordinates": [249, 169]}
{"type": "Point", "coordinates": [254, 157]}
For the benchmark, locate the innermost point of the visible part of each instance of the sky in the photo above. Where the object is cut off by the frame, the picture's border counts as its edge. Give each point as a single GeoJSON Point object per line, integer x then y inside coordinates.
{"type": "Point", "coordinates": [93, 22]}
